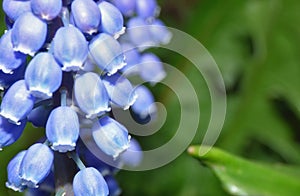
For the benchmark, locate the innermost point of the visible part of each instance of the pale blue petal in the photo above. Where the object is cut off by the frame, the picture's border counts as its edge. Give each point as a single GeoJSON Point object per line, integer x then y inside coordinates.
{"type": "Point", "coordinates": [43, 75]}
{"type": "Point", "coordinates": [89, 182]}
{"type": "Point", "coordinates": [62, 129]}
{"type": "Point", "coordinates": [110, 136]}
{"type": "Point", "coordinates": [91, 95]}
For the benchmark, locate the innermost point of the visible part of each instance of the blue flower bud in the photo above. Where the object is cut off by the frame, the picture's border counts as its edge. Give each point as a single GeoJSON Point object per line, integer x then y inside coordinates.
{"type": "Point", "coordinates": [46, 10]}
{"type": "Point", "coordinates": [112, 21]}
{"type": "Point", "coordinates": [139, 33]}
{"type": "Point", "coordinates": [14, 181]}
{"type": "Point", "coordinates": [151, 68]}
{"type": "Point", "coordinates": [133, 155]}
{"type": "Point", "coordinates": [13, 9]}
{"type": "Point", "coordinates": [113, 186]}
{"type": "Point", "coordinates": [17, 102]}
{"type": "Point", "coordinates": [120, 90]}
{"type": "Point", "coordinates": [6, 80]}
{"type": "Point", "coordinates": [62, 129]}
{"type": "Point", "coordinates": [36, 165]}
{"type": "Point", "coordinates": [107, 53]}
{"type": "Point", "coordinates": [110, 136]}
{"type": "Point", "coordinates": [70, 48]}
{"type": "Point", "coordinates": [91, 95]}
{"type": "Point", "coordinates": [144, 104]}
{"type": "Point", "coordinates": [89, 182]}
{"type": "Point", "coordinates": [9, 133]}
{"type": "Point", "coordinates": [147, 8]}
{"type": "Point", "coordinates": [160, 32]}
{"type": "Point", "coordinates": [9, 59]}
{"type": "Point", "coordinates": [86, 15]}
{"type": "Point", "coordinates": [43, 75]}
{"type": "Point", "coordinates": [28, 33]}
{"type": "Point", "coordinates": [127, 7]}
{"type": "Point", "coordinates": [39, 115]}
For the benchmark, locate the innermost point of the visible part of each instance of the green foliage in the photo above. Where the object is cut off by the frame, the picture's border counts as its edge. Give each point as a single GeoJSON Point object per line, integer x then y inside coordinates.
{"type": "Point", "coordinates": [243, 177]}
{"type": "Point", "coordinates": [256, 45]}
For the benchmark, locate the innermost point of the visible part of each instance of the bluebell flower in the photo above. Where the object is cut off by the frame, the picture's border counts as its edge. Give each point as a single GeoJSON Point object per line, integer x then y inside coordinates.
{"type": "Point", "coordinates": [17, 102]}
{"type": "Point", "coordinates": [46, 10]}
{"type": "Point", "coordinates": [151, 68]}
{"type": "Point", "coordinates": [62, 129]}
{"type": "Point", "coordinates": [13, 9]}
{"type": "Point", "coordinates": [9, 133]}
{"type": "Point", "coordinates": [92, 99]}
{"type": "Point", "coordinates": [132, 56]}
{"type": "Point", "coordinates": [9, 59]}
{"type": "Point", "coordinates": [14, 180]}
{"type": "Point", "coordinates": [110, 136]}
{"type": "Point", "coordinates": [70, 48]}
{"type": "Point", "coordinates": [133, 156]}
{"type": "Point", "coordinates": [89, 182]}
{"type": "Point", "coordinates": [120, 90]}
{"type": "Point", "coordinates": [112, 19]}
{"type": "Point", "coordinates": [160, 32]}
{"type": "Point", "coordinates": [6, 80]}
{"type": "Point", "coordinates": [86, 15]}
{"type": "Point", "coordinates": [147, 8]}
{"type": "Point", "coordinates": [28, 33]}
{"type": "Point", "coordinates": [43, 75]}
{"type": "Point", "coordinates": [107, 53]}
{"type": "Point", "coordinates": [36, 165]}
{"type": "Point", "coordinates": [127, 7]}
{"type": "Point", "coordinates": [144, 104]}
{"type": "Point", "coordinates": [139, 33]}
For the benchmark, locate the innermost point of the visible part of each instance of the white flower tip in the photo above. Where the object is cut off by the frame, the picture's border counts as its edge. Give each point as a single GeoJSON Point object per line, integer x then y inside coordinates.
{"type": "Point", "coordinates": [121, 32]}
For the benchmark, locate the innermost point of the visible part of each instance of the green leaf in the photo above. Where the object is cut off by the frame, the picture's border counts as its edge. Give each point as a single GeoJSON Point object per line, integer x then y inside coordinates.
{"type": "Point", "coordinates": [244, 177]}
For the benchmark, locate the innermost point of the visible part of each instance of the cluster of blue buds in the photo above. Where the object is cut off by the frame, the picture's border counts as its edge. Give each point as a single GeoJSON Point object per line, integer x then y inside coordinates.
{"type": "Point", "coordinates": [64, 64]}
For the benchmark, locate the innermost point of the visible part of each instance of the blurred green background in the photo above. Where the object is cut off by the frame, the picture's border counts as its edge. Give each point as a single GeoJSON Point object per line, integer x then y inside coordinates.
{"type": "Point", "coordinates": [256, 44]}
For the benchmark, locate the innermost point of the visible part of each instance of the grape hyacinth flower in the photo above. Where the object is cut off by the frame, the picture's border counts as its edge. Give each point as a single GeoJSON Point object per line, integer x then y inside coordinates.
{"type": "Point", "coordinates": [63, 65]}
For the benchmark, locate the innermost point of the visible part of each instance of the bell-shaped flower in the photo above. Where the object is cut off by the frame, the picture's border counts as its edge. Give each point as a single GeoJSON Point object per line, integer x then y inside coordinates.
{"type": "Point", "coordinates": [28, 33]}
{"type": "Point", "coordinates": [62, 129]}
{"type": "Point", "coordinates": [86, 15]}
{"type": "Point", "coordinates": [13, 9]}
{"type": "Point", "coordinates": [160, 32]}
{"type": "Point", "coordinates": [112, 21]}
{"type": "Point", "coordinates": [36, 165]}
{"type": "Point", "coordinates": [9, 133]}
{"type": "Point", "coordinates": [133, 156]}
{"type": "Point", "coordinates": [110, 136]}
{"type": "Point", "coordinates": [90, 95]}
{"type": "Point", "coordinates": [139, 33]}
{"type": "Point", "coordinates": [144, 104]}
{"type": "Point", "coordinates": [46, 10]}
{"type": "Point", "coordinates": [89, 182]}
{"type": "Point", "coordinates": [120, 90]}
{"type": "Point", "coordinates": [7, 79]}
{"type": "Point", "coordinates": [14, 180]}
{"type": "Point", "coordinates": [113, 186]}
{"type": "Point", "coordinates": [17, 102]}
{"type": "Point", "coordinates": [147, 8]}
{"type": "Point", "coordinates": [70, 48]}
{"type": "Point", "coordinates": [9, 59]}
{"type": "Point", "coordinates": [107, 53]}
{"type": "Point", "coordinates": [127, 7]}
{"type": "Point", "coordinates": [132, 56]}
{"type": "Point", "coordinates": [39, 115]}
{"type": "Point", "coordinates": [151, 68]}
{"type": "Point", "coordinates": [43, 75]}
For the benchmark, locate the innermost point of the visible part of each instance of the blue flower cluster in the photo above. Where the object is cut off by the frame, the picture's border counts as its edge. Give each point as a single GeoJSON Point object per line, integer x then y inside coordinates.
{"type": "Point", "coordinates": [63, 65]}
